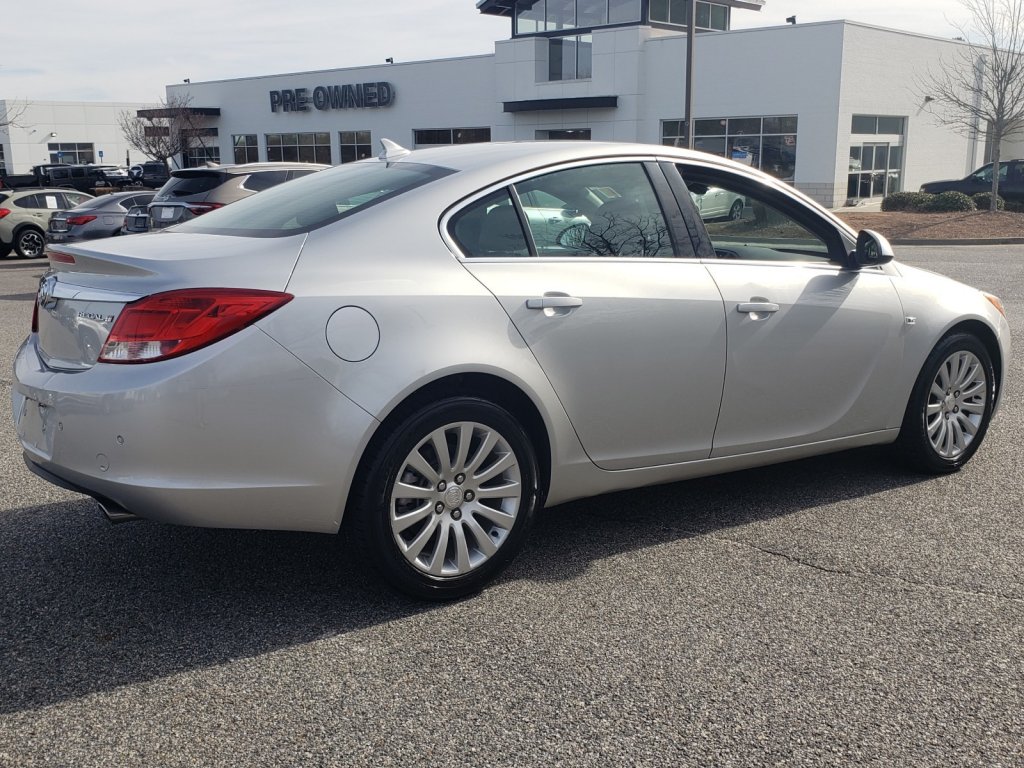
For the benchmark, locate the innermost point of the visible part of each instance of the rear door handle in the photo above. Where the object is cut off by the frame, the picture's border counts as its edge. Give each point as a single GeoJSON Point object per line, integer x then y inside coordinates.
{"type": "Point", "coordinates": [555, 302]}
{"type": "Point", "coordinates": [759, 307]}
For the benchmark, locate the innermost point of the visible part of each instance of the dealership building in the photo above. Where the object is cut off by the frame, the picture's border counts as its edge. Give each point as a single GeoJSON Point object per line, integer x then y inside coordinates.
{"type": "Point", "coordinates": [835, 108]}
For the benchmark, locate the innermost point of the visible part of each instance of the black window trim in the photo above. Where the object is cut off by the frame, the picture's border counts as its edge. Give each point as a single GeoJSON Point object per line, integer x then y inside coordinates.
{"type": "Point", "coordinates": [660, 181]}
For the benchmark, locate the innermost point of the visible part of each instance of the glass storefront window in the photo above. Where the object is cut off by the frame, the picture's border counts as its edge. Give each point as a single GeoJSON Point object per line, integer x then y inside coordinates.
{"type": "Point", "coordinates": [591, 13]}
{"type": "Point", "coordinates": [710, 16]}
{"type": "Point", "coordinates": [561, 15]}
{"type": "Point", "coordinates": [767, 143]}
{"type": "Point", "coordinates": [570, 58]}
{"type": "Point", "coordinates": [74, 153]}
{"type": "Point", "coordinates": [299, 147]}
{"type": "Point", "coordinates": [432, 137]}
{"type": "Point", "coordinates": [355, 145]}
{"type": "Point", "coordinates": [623, 11]}
{"type": "Point", "coordinates": [246, 149]}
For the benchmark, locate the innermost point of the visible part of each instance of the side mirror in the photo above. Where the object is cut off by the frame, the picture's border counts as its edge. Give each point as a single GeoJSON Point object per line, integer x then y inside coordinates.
{"type": "Point", "coordinates": [872, 250]}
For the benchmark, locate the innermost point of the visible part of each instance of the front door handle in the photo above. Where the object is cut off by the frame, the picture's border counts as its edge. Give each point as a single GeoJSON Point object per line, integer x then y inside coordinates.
{"type": "Point", "coordinates": [555, 302]}
{"type": "Point", "coordinates": [759, 307]}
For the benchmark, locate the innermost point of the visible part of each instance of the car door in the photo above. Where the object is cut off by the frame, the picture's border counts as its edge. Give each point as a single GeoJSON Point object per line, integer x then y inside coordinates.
{"type": "Point", "coordinates": [812, 346]}
{"type": "Point", "coordinates": [625, 321]}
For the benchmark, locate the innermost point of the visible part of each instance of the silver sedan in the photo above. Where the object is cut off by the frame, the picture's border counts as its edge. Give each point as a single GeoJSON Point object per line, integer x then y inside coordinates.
{"type": "Point", "coordinates": [400, 346]}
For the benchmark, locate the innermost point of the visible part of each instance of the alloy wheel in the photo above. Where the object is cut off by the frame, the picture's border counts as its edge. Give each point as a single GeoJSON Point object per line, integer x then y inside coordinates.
{"type": "Point", "coordinates": [956, 404]}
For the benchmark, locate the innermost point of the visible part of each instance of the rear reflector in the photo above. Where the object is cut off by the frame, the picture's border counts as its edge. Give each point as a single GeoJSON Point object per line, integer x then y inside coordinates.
{"type": "Point", "coordinates": [61, 258]}
{"type": "Point", "coordinates": [80, 220]}
{"type": "Point", "coordinates": [170, 324]}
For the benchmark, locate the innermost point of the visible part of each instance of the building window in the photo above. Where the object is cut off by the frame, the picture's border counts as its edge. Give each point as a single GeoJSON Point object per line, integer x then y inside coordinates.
{"type": "Point", "coordinates": [565, 134]}
{"type": "Point", "coordinates": [434, 137]}
{"type": "Point", "coordinates": [875, 124]}
{"type": "Point", "coordinates": [246, 148]}
{"type": "Point", "coordinates": [355, 145]}
{"type": "Point", "coordinates": [536, 16]}
{"type": "Point", "coordinates": [570, 58]}
{"type": "Point", "coordinates": [876, 164]}
{"type": "Point", "coordinates": [710, 16]}
{"type": "Point", "coordinates": [768, 143]}
{"type": "Point", "coordinates": [196, 157]}
{"type": "Point", "coordinates": [3, 164]}
{"type": "Point", "coordinates": [299, 147]}
{"type": "Point", "coordinates": [70, 152]}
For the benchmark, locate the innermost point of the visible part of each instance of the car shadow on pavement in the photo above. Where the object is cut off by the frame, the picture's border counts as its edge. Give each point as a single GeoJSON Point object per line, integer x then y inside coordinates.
{"type": "Point", "coordinates": [86, 607]}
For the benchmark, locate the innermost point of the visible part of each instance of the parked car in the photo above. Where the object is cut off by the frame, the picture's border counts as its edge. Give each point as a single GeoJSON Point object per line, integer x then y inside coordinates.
{"type": "Point", "coordinates": [101, 216]}
{"type": "Point", "coordinates": [716, 203]}
{"type": "Point", "coordinates": [1011, 181]}
{"type": "Point", "coordinates": [24, 215]}
{"type": "Point", "coordinates": [152, 174]}
{"type": "Point", "coordinates": [385, 343]}
{"type": "Point", "coordinates": [191, 192]}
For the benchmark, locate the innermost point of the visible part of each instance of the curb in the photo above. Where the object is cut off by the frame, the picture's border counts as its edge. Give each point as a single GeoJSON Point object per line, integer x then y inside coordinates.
{"type": "Point", "coordinates": [965, 241]}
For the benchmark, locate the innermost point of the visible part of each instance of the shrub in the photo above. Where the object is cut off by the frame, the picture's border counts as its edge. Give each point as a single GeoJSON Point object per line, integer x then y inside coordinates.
{"type": "Point", "coordinates": [906, 201]}
{"type": "Point", "coordinates": [950, 201]}
{"type": "Point", "coordinates": [1015, 205]}
{"type": "Point", "coordinates": [983, 200]}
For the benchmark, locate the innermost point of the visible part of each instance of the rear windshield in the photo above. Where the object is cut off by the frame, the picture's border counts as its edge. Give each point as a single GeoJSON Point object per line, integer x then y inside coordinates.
{"type": "Point", "coordinates": [192, 184]}
{"type": "Point", "coordinates": [315, 200]}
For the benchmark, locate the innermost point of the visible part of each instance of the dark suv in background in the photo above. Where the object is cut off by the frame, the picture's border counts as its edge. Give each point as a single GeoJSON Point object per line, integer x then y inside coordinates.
{"type": "Point", "coordinates": [1011, 181]}
{"type": "Point", "coordinates": [191, 192]}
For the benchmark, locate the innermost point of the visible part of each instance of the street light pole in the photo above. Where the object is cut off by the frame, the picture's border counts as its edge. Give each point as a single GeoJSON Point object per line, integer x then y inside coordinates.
{"type": "Point", "coordinates": [690, 37]}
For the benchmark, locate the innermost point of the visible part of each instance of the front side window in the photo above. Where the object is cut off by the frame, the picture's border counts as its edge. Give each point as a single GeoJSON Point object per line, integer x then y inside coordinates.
{"type": "Point", "coordinates": [599, 210]}
{"type": "Point", "coordinates": [750, 222]}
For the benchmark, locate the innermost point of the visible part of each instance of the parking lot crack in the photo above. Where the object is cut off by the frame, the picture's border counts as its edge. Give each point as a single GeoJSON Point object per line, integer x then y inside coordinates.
{"type": "Point", "coordinates": [868, 574]}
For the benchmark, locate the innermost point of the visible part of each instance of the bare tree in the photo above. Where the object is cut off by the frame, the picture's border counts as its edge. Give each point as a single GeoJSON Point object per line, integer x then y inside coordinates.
{"type": "Point", "coordinates": [982, 87]}
{"type": "Point", "coordinates": [165, 132]}
{"type": "Point", "coordinates": [13, 110]}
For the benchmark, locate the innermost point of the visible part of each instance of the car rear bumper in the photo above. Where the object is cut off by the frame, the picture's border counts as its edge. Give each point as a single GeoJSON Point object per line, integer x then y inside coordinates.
{"type": "Point", "coordinates": [237, 435]}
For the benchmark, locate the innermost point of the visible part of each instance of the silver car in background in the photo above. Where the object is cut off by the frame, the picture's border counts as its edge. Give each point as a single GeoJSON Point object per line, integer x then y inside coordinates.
{"type": "Point", "coordinates": [405, 345]}
{"type": "Point", "coordinates": [102, 216]}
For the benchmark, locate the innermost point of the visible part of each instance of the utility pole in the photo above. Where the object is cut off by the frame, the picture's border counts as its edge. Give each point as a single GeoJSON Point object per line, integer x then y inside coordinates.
{"type": "Point", "coordinates": [690, 37]}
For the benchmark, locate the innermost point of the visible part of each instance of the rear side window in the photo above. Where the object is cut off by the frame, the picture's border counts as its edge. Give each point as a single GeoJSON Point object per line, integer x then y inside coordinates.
{"type": "Point", "coordinates": [315, 200]}
{"type": "Point", "coordinates": [490, 227]}
{"type": "Point", "coordinates": [257, 182]}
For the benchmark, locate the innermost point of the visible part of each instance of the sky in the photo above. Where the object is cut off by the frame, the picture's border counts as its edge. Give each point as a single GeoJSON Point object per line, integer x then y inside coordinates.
{"type": "Point", "coordinates": [107, 50]}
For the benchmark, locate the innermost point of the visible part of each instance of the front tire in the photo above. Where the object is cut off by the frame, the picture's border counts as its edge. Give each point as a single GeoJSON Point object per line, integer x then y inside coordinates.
{"type": "Point", "coordinates": [448, 498]}
{"type": "Point", "coordinates": [30, 243]}
{"type": "Point", "coordinates": [950, 407]}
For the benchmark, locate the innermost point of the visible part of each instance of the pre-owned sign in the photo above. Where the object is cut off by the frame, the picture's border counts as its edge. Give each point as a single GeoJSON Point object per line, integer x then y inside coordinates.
{"type": "Point", "coordinates": [354, 96]}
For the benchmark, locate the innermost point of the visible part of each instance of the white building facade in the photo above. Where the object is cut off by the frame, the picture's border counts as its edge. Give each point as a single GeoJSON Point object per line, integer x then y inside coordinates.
{"type": "Point", "coordinates": [832, 107]}
{"type": "Point", "coordinates": [64, 132]}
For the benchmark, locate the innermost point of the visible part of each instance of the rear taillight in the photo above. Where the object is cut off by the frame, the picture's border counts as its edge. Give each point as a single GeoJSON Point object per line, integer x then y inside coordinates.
{"type": "Point", "coordinates": [4, 212]}
{"type": "Point", "coordinates": [200, 208]}
{"type": "Point", "coordinates": [169, 324]}
{"type": "Point", "coordinates": [80, 220]}
{"type": "Point", "coordinates": [62, 258]}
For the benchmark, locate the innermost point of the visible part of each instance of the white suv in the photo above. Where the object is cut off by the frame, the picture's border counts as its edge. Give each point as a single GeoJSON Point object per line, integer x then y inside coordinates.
{"type": "Point", "coordinates": [25, 214]}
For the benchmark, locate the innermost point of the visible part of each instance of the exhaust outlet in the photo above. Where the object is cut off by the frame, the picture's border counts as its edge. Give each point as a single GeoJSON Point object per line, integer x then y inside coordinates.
{"type": "Point", "coordinates": [115, 513]}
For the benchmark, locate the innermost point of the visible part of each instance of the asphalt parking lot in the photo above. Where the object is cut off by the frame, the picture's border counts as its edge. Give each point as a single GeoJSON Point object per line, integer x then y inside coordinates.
{"type": "Point", "coordinates": [833, 611]}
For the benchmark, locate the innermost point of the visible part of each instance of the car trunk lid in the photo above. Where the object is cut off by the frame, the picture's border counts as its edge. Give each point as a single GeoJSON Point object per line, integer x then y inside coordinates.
{"type": "Point", "coordinates": [87, 287]}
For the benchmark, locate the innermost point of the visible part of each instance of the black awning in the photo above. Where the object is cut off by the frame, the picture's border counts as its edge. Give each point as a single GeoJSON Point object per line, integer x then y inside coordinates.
{"type": "Point", "coordinates": [580, 102]}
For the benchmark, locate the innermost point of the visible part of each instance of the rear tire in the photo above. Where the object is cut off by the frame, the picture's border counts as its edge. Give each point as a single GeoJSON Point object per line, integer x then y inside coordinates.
{"type": "Point", "coordinates": [447, 499]}
{"type": "Point", "coordinates": [30, 243]}
{"type": "Point", "coordinates": [950, 407]}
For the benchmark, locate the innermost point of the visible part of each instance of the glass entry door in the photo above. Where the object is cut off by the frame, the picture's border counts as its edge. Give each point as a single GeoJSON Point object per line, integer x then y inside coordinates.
{"type": "Point", "coordinates": [875, 170]}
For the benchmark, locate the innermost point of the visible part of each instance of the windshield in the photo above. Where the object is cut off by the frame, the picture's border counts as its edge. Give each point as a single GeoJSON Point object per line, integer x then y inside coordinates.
{"type": "Point", "coordinates": [315, 200]}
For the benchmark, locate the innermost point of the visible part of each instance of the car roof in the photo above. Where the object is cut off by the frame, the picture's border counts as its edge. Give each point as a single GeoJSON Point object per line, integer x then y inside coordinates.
{"type": "Point", "coordinates": [244, 168]}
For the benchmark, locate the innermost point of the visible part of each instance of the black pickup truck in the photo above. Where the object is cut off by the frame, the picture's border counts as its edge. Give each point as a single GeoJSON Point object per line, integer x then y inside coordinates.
{"type": "Point", "coordinates": [39, 177]}
{"type": "Point", "coordinates": [84, 178]}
